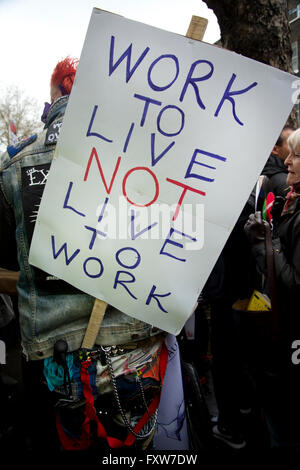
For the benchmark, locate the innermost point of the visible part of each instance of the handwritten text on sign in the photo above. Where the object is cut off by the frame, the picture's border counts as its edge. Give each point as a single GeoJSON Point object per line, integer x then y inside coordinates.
{"type": "Point", "coordinates": [157, 155]}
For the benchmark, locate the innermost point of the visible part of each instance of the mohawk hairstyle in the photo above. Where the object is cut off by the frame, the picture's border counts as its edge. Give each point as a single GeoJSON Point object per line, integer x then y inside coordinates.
{"type": "Point", "coordinates": [63, 75]}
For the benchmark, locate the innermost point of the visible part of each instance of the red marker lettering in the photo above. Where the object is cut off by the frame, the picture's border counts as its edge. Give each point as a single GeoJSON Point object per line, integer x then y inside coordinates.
{"type": "Point", "coordinates": [94, 154]}
{"type": "Point", "coordinates": [185, 188]}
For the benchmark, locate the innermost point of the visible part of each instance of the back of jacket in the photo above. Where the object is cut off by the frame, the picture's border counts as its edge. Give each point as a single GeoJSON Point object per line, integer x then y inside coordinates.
{"type": "Point", "coordinates": [50, 309]}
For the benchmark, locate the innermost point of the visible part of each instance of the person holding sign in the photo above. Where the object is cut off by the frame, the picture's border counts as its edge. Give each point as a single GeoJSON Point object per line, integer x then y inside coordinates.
{"type": "Point", "coordinates": [114, 385]}
{"type": "Point", "coordinates": [281, 389]}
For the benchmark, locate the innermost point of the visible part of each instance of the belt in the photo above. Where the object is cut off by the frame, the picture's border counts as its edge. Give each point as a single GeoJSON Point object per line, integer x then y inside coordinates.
{"type": "Point", "coordinates": [120, 349]}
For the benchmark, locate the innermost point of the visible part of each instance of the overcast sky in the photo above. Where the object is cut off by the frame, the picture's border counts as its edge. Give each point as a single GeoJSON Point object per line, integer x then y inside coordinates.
{"type": "Point", "coordinates": [36, 34]}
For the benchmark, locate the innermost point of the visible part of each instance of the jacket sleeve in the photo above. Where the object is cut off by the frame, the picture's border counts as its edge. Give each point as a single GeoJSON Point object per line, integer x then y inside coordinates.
{"type": "Point", "coordinates": [259, 253]}
{"type": "Point", "coordinates": [288, 272]}
{"type": "Point", "coordinates": [8, 246]}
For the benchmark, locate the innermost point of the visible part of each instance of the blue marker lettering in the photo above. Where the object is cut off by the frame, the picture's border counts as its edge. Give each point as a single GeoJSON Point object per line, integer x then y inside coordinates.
{"type": "Point", "coordinates": [103, 209]}
{"type": "Point", "coordinates": [160, 116]}
{"type": "Point", "coordinates": [66, 206]}
{"type": "Point", "coordinates": [95, 233]}
{"type": "Point", "coordinates": [193, 162]}
{"type": "Point", "coordinates": [161, 88]}
{"type": "Point", "coordinates": [155, 297]}
{"type": "Point", "coordinates": [138, 257]}
{"type": "Point", "coordinates": [228, 96]}
{"type": "Point", "coordinates": [128, 137]}
{"type": "Point", "coordinates": [98, 261]}
{"type": "Point", "coordinates": [156, 159]}
{"type": "Point", "coordinates": [192, 81]}
{"type": "Point", "coordinates": [126, 55]}
{"type": "Point", "coordinates": [134, 235]}
{"type": "Point", "coordinates": [63, 248]}
{"type": "Point", "coordinates": [172, 242]}
{"type": "Point", "coordinates": [123, 282]}
{"type": "Point", "coordinates": [95, 134]}
{"type": "Point", "coordinates": [147, 102]}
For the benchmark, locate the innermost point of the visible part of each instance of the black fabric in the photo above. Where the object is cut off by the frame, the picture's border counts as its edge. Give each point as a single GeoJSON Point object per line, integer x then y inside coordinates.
{"type": "Point", "coordinates": [276, 171]}
{"type": "Point", "coordinates": [234, 272]}
{"type": "Point", "coordinates": [8, 256]}
{"type": "Point", "coordinates": [287, 267]}
{"type": "Point", "coordinates": [33, 183]}
{"type": "Point", "coordinates": [286, 248]}
{"type": "Point", "coordinates": [53, 133]}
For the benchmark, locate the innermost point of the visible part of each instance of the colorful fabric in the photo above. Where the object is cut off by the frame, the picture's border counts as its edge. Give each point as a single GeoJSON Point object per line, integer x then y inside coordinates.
{"type": "Point", "coordinates": [139, 361]}
{"type": "Point", "coordinates": [291, 196]}
{"type": "Point", "coordinates": [55, 374]}
{"type": "Point", "coordinates": [90, 414]}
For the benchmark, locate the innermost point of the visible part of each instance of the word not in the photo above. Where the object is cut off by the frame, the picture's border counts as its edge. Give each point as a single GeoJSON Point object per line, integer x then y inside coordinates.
{"type": "Point", "coordinates": [190, 173]}
{"type": "Point", "coordinates": [2, 352]}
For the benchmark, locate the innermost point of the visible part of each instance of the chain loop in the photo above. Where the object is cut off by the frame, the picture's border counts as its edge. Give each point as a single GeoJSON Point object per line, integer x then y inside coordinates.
{"type": "Point", "coordinates": [145, 432]}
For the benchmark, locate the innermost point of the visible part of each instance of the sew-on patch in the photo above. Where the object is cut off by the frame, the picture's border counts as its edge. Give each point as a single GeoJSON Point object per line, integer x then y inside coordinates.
{"type": "Point", "coordinates": [53, 133]}
{"type": "Point", "coordinates": [14, 149]}
{"type": "Point", "coordinates": [33, 179]}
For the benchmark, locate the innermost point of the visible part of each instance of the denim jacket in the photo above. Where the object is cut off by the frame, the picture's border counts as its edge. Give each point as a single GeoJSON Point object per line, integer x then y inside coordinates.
{"type": "Point", "coordinates": [49, 308]}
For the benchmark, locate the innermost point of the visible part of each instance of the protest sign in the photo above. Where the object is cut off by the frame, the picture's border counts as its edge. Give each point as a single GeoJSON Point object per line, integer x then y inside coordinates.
{"type": "Point", "coordinates": [162, 142]}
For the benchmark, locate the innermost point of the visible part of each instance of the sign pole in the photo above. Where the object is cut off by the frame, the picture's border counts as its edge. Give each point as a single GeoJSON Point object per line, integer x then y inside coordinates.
{"type": "Point", "coordinates": [94, 324]}
{"type": "Point", "coordinates": [197, 28]}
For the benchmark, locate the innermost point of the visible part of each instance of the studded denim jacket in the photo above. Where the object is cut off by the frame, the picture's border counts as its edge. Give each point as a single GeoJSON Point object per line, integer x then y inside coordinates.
{"type": "Point", "coordinates": [49, 308]}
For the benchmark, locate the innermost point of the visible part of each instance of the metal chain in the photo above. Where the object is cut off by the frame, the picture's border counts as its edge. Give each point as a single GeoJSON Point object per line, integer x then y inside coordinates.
{"type": "Point", "coordinates": [142, 393]}
{"type": "Point", "coordinates": [141, 434]}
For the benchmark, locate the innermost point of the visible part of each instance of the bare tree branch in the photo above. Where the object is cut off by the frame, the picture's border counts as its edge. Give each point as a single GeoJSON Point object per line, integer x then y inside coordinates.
{"type": "Point", "coordinates": [23, 110]}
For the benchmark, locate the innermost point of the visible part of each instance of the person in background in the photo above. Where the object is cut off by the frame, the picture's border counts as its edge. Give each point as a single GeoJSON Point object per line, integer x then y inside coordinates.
{"type": "Point", "coordinates": [230, 280]}
{"type": "Point", "coordinates": [127, 365]}
{"type": "Point", "coordinates": [275, 168]}
{"type": "Point", "coordinates": [281, 389]}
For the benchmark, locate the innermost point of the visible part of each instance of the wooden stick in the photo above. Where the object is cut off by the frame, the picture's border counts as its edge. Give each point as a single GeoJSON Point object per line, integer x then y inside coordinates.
{"type": "Point", "coordinates": [197, 28]}
{"type": "Point", "coordinates": [94, 324]}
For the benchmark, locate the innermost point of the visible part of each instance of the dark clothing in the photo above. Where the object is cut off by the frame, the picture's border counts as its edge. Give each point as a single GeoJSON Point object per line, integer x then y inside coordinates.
{"type": "Point", "coordinates": [287, 267]}
{"type": "Point", "coordinates": [232, 276]}
{"type": "Point", "coordinates": [231, 279]}
{"type": "Point", "coordinates": [286, 248]}
{"type": "Point", "coordinates": [276, 171]}
{"type": "Point", "coordinates": [280, 394]}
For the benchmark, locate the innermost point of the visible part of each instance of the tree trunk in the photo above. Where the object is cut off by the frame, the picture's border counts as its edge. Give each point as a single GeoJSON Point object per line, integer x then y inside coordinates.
{"type": "Point", "coordinates": [258, 29]}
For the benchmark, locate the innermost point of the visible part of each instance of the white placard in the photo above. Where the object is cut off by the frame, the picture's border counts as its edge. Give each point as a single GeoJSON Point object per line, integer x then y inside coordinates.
{"type": "Point", "coordinates": [162, 142]}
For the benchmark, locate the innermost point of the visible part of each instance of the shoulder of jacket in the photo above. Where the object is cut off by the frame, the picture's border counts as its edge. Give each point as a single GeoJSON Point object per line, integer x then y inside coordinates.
{"type": "Point", "coordinates": [13, 150]}
{"type": "Point", "coordinates": [33, 145]}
